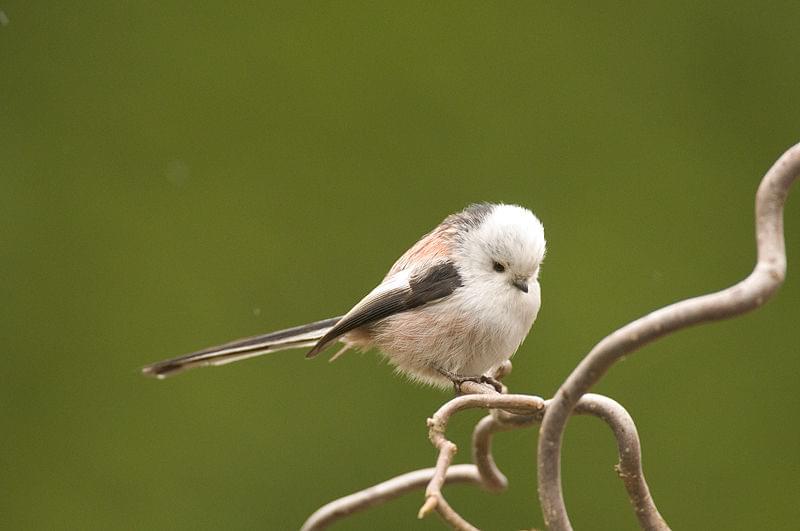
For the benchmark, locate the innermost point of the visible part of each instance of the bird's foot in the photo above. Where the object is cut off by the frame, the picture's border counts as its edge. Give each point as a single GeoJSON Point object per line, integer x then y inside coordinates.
{"type": "Point", "coordinates": [457, 380]}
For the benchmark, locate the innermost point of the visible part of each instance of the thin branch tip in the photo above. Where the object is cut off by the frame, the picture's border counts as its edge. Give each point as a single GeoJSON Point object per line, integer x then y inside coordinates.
{"type": "Point", "coordinates": [430, 504]}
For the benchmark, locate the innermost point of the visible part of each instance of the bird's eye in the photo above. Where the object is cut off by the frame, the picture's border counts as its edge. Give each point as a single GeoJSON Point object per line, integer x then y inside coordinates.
{"type": "Point", "coordinates": [498, 267]}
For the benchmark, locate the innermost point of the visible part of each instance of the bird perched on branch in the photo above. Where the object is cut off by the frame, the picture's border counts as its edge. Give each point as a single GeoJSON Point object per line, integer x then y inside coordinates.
{"type": "Point", "coordinates": [456, 305]}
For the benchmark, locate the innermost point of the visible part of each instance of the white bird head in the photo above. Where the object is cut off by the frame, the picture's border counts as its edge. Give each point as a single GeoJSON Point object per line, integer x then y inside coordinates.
{"type": "Point", "coordinates": [505, 244]}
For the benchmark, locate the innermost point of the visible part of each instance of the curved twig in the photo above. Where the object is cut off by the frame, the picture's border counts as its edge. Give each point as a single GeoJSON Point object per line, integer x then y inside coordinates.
{"type": "Point", "coordinates": [434, 500]}
{"type": "Point", "coordinates": [519, 411]}
{"type": "Point", "coordinates": [399, 485]}
{"type": "Point", "coordinates": [492, 478]}
{"type": "Point", "coordinates": [752, 292]}
{"type": "Point", "coordinates": [629, 467]}
{"type": "Point", "coordinates": [383, 492]}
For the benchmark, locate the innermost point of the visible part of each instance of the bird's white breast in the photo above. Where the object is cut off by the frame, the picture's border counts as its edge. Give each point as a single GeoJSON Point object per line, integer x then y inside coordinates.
{"type": "Point", "coordinates": [468, 333]}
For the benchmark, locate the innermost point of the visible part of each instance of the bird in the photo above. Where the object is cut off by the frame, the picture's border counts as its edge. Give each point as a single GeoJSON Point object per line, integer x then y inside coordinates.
{"type": "Point", "coordinates": [456, 305]}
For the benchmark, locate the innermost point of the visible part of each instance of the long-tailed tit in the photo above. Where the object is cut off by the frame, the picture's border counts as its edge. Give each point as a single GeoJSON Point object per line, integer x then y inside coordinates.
{"type": "Point", "coordinates": [457, 304]}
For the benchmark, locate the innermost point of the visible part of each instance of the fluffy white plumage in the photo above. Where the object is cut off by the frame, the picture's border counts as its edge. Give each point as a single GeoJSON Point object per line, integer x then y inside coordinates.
{"type": "Point", "coordinates": [482, 323]}
{"type": "Point", "coordinates": [456, 304]}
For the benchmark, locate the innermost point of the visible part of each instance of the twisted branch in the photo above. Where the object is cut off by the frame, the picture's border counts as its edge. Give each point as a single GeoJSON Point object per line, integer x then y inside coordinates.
{"type": "Point", "coordinates": [629, 467]}
{"type": "Point", "coordinates": [438, 425]}
{"type": "Point", "coordinates": [507, 412]}
{"type": "Point", "coordinates": [383, 492]}
{"type": "Point", "coordinates": [750, 293]}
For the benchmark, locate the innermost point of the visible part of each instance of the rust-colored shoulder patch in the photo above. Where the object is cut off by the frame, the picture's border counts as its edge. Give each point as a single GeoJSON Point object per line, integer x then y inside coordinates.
{"type": "Point", "coordinates": [437, 244]}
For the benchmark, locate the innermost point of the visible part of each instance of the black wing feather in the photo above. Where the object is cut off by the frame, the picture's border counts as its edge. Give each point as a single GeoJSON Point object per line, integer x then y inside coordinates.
{"type": "Point", "coordinates": [429, 285]}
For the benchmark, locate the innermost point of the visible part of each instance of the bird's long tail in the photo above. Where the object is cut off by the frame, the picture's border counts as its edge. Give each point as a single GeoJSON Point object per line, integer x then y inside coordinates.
{"type": "Point", "coordinates": [297, 337]}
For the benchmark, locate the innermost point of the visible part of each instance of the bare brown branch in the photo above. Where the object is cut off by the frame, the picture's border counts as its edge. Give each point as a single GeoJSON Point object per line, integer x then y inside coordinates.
{"type": "Point", "coordinates": [434, 500]}
{"type": "Point", "coordinates": [752, 292]}
{"type": "Point", "coordinates": [507, 412]}
{"type": "Point", "coordinates": [491, 477]}
{"type": "Point", "coordinates": [383, 492]}
{"type": "Point", "coordinates": [629, 468]}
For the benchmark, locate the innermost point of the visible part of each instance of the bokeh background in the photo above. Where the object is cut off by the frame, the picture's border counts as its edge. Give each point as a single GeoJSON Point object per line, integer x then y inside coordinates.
{"type": "Point", "coordinates": [176, 175]}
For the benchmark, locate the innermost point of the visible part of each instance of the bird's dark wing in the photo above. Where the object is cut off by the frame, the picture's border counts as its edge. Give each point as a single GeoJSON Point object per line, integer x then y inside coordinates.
{"type": "Point", "coordinates": [397, 293]}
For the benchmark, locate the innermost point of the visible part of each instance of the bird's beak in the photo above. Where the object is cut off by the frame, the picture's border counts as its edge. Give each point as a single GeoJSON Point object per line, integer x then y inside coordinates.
{"type": "Point", "coordinates": [521, 284]}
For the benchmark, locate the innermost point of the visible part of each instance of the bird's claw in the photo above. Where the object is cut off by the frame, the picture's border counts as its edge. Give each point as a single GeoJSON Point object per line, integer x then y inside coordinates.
{"type": "Point", "coordinates": [458, 380]}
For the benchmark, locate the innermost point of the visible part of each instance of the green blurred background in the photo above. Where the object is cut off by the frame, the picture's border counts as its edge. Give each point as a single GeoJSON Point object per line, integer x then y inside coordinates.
{"type": "Point", "coordinates": [177, 175]}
